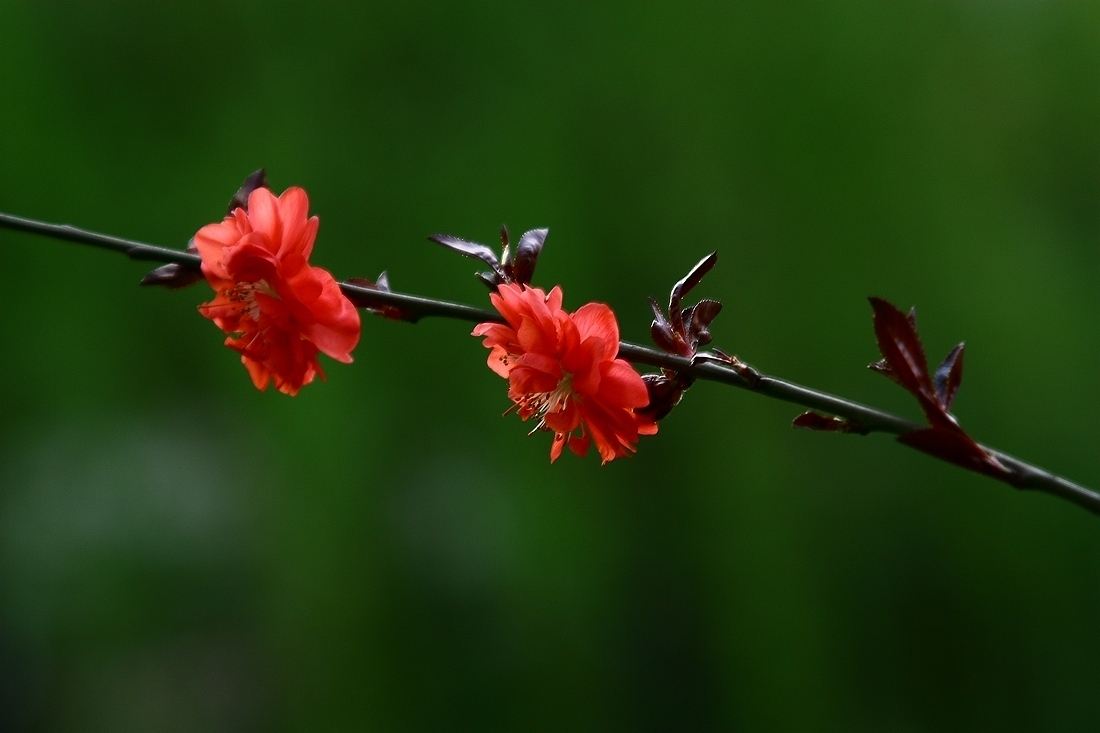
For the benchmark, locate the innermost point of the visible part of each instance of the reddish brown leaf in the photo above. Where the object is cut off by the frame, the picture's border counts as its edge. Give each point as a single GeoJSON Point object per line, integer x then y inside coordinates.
{"type": "Point", "coordinates": [904, 362]}
{"type": "Point", "coordinates": [687, 283]}
{"type": "Point", "coordinates": [900, 346]}
{"type": "Point", "coordinates": [955, 446]}
{"type": "Point", "coordinates": [811, 420]}
{"type": "Point", "coordinates": [903, 353]}
{"type": "Point", "coordinates": [704, 312]}
{"type": "Point", "coordinates": [665, 338]}
{"type": "Point", "coordinates": [664, 335]}
{"type": "Point", "coordinates": [684, 329]}
{"type": "Point", "coordinates": [665, 392]}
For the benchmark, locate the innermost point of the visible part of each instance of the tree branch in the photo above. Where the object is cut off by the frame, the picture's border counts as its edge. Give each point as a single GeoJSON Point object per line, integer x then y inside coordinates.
{"type": "Point", "coordinates": [869, 419]}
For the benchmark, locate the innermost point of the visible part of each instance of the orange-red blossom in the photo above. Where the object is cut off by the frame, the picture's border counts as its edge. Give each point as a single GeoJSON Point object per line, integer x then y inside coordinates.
{"type": "Point", "coordinates": [277, 310]}
{"type": "Point", "coordinates": [561, 369]}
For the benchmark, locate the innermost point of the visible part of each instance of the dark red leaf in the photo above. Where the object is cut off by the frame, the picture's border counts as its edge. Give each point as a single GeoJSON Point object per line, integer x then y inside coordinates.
{"type": "Point", "coordinates": [658, 314]}
{"type": "Point", "coordinates": [904, 355]}
{"type": "Point", "coordinates": [470, 249]}
{"type": "Point", "coordinates": [811, 420]}
{"type": "Point", "coordinates": [704, 312]}
{"type": "Point", "coordinates": [689, 281]}
{"type": "Point", "coordinates": [683, 322]}
{"type": "Point", "coordinates": [881, 366]}
{"type": "Point", "coordinates": [665, 392]}
{"type": "Point", "coordinates": [900, 346]}
{"type": "Point", "coordinates": [955, 446]}
{"type": "Point", "coordinates": [522, 265]}
{"type": "Point", "coordinates": [949, 376]}
{"type": "Point", "coordinates": [665, 338]}
{"type": "Point", "coordinates": [256, 179]}
{"type": "Point", "coordinates": [663, 334]}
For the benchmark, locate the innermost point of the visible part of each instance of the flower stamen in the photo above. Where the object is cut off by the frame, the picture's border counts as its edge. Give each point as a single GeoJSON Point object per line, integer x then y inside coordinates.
{"type": "Point", "coordinates": [541, 404]}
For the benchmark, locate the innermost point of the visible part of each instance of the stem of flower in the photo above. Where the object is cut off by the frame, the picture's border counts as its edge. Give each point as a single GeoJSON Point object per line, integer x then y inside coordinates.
{"type": "Point", "coordinates": [869, 419]}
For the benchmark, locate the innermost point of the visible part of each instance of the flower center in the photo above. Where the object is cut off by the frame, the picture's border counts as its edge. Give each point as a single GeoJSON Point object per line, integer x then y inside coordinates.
{"type": "Point", "coordinates": [541, 404]}
{"type": "Point", "coordinates": [243, 294]}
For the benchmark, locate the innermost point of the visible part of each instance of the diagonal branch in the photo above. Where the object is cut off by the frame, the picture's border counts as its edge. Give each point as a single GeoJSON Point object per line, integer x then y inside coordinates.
{"type": "Point", "coordinates": [869, 419]}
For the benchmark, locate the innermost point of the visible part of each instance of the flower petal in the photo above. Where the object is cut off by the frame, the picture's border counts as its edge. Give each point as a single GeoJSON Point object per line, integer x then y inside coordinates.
{"type": "Point", "coordinates": [212, 241]}
{"type": "Point", "coordinates": [621, 386]}
{"type": "Point", "coordinates": [293, 206]}
{"type": "Point", "coordinates": [597, 319]}
{"type": "Point", "coordinates": [263, 214]}
{"type": "Point", "coordinates": [556, 446]}
{"type": "Point", "coordinates": [523, 380]}
{"type": "Point", "coordinates": [500, 362]}
{"type": "Point", "coordinates": [509, 302]}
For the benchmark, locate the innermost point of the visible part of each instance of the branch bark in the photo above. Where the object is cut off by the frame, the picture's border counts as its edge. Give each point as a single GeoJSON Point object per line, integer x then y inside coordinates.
{"type": "Point", "coordinates": [869, 419]}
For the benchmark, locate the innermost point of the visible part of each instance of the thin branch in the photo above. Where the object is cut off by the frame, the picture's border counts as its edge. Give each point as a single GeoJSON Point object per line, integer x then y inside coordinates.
{"type": "Point", "coordinates": [869, 419]}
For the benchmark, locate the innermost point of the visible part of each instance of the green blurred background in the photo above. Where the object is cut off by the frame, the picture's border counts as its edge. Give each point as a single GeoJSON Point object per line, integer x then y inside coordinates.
{"type": "Point", "coordinates": [179, 552]}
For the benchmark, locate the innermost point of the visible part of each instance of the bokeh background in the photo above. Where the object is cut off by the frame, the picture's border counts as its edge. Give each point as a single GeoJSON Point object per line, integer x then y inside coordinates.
{"type": "Point", "coordinates": [179, 552]}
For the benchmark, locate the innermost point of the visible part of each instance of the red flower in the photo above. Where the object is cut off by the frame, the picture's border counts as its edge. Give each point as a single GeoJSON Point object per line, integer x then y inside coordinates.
{"type": "Point", "coordinates": [277, 310]}
{"type": "Point", "coordinates": [561, 368]}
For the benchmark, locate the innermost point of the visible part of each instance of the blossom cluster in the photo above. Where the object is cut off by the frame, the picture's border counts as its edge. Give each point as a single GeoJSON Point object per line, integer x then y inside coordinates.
{"type": "Point", "coordinates": [562, 370]}
{"type": "Point", "coordinates": [567, 372]}
{"type": "Point", "coordinates": [280, 313]}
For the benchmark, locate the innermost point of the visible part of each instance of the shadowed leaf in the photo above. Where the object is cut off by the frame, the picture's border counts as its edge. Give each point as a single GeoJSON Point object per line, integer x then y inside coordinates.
{"type": "Point", "coordinates": [811, 420]}
{"type": "Point", "coordinates": [489, 279]}
{"type": "Point", "coordinates": [904, 356]}
{"type": "Point", "coordinates": [522, 265]}
{"type": "Point", "coordinates": [683, 329]}
{"type": "Point", "coordinates": [687, 283]}
{"type": "Point", "coordinates": [662, 333]}
{"type": "Point", "coordinates": [900, 346]}
{"type": "Point", "coordinates": [949, 376]}
{"type": "Point", "coordinates": [665, 392]}
{"type": "Point", "coordinates": [470, 249]}
{"type": "Point", "coordinates": [955, 446]}
{"type": "Point", "coordinates": [255, 179]}
{"type": "Point", "coordinates": [904, 362]}
{"type": "Point", "coordinates": [704, 312]}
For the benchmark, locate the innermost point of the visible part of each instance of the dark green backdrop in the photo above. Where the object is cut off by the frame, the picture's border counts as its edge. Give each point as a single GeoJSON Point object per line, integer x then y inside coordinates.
{"type": "Point", "coordinates": [179, 552]}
